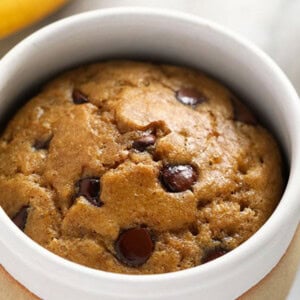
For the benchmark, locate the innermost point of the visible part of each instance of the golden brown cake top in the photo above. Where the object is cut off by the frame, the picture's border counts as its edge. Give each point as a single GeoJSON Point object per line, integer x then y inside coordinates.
{"type": "Point", "coordinates": [138, 168]}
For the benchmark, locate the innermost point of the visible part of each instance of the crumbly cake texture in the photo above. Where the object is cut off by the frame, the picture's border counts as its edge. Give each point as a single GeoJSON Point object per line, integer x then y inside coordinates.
{"type": "Point", "coordinates": [138, 168]}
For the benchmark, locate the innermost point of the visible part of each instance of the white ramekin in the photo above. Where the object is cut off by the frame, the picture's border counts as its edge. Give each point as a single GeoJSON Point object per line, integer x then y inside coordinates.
{"type": "Point", "coordinates": [170, 37]}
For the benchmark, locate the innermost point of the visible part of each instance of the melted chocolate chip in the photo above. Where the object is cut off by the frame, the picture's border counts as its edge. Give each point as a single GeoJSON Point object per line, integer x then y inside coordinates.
{"type": "Point", "coordinates": [178, 178]}
{"type": "Point", "coordinates": [79, 97]}
{"type": "Point", "coordinates": [134, 246]}
{"type": "Point", "coordinates": [90, 189]}
{"type": "Point", "coordinates": [242, 113]}
{"type": "Point", "coordinates": [214, 253]}
{"type": "Point", "coordinates": [190, 96]}
{"type": "Point", "coordinates": [43, 144]}
{"type": "Point", "coordinates": [20, 218]}
{"type": "Point", "coordinates": [142, 143]}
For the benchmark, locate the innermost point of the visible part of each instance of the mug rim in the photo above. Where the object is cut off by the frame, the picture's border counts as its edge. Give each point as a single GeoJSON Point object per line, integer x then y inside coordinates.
{"type": "Point", "coordinates": [287, 207]}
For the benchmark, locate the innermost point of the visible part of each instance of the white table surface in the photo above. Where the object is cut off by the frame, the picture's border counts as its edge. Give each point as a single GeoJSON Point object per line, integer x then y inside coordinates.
{"type": "Point", "coordinates": [273, 25]}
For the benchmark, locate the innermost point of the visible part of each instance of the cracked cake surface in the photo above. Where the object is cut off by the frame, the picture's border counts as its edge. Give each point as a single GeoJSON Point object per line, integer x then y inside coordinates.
{"type": "Point", "coordinates": [138, 168]}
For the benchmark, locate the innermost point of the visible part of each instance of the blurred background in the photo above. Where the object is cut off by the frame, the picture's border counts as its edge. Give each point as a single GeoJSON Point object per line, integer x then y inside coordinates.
{"type": "Point", "coordinates": [273, 25]}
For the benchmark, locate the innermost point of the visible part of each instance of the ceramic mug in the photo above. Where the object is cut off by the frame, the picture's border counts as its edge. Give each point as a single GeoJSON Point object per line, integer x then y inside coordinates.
{"type": "Point", "coordinates": [171, 37]}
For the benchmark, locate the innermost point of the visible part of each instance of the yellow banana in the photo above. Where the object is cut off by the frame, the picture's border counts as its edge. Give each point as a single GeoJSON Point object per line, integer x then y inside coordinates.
{"type": "Point", "coordinates": [16, 14]}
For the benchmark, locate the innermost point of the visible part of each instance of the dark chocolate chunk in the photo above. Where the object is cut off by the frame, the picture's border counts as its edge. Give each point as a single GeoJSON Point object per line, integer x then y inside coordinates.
{"type": "Point", "coordinates": [213, 253]}
{"type": "Point", "coordinates": [242, 113]}
{"type": "Point", "coordinates": [178, 178]}
{"type": "Point", "coordinates": [134, 246]}
{"type": "Point", "coordinates": [79, 97]}
{"type": "Point", "coordinates": [43, 144]}
{"type": "Point", "coordinates": [89, 188]}
{"type": "Point", "coordinates": [20, 218]}
{"type": "Point", "coordinates": [190, 96]}
{"type": "Point", "coordinates": [142, 143]}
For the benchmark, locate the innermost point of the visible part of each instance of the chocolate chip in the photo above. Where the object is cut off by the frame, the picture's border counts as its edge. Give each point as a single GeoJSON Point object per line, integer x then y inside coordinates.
{"type": "Point", "coordinates": [79, 97]}
{"type": "Point", "coordinates": [21, 217]}
{"type": "Point", "coordinates": [90, 189]}
{"type": "Point", "coordinates": [242, 113]}
{"type": "Point", "coordinates": [213, 253]}
{"type": "Point", "coordinates": [142, 143]}
{"type": "Point", "coordinates": [178, 178]}
{"type": "Point", "coordinates": [134, 246]}
{"type": "Point", "coordinates": [42, 144]}
{"type": "Point", "coordinates": [190, 96]}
